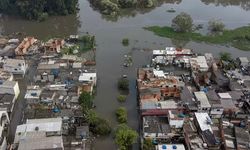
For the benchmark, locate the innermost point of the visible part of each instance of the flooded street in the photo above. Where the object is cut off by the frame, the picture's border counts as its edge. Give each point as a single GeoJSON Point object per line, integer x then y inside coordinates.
{"type": "Point", "coordinates": [110, 51]}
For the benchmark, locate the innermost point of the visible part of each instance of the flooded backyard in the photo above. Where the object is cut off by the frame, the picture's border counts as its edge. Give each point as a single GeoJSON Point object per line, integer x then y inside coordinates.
{"type": "Point", "coordinates": [110, 51]}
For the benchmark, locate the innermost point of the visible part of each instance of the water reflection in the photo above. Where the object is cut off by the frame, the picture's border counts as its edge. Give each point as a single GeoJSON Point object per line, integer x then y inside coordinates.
{"type": "Point", "coordinates": [179, 43]}
{"type": "Point", "coordinates": [244, 4]}
{"type": "Point", "coordinates": [55, 26]}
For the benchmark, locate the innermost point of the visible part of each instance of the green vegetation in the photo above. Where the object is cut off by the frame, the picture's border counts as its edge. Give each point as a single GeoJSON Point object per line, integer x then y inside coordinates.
{"type": "Point", "coordinates": [238, 38]}
{"type": "Point", "coordinates": [123, 84]}
{"type": "Point", "coordinates": [121, 114]}
{"type": "Point", "coordinates": [98, 125]}
{"type": "Point", "coordinates": [125, 42]}
{"type": "Point", "coordinates": [125, 137]}
{"type": "Point", "coordinates": [87, 42]}
{"type": "Point", "coordinates": [122, 98]}
{"type": "Point", "coordinates": [86, 101]}
{"type": "Point", "coordinates": [182, 23]}
{"type": "Point", "coordinates": [148, 145]}
{"type": "Point", "coordinates": [38, 9]}
{"type": "Point", "coordinates": [113, 7]}
{"type": "Point", "coordinates": [225, 56]}
{"type": "Point", "coordinates": [216, 26]}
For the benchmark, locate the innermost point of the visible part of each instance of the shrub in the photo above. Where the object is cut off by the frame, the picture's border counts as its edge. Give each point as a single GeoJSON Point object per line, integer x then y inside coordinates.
{"type": "Point", "coordinates": [97, 125]}
{"type": "Point", "coordinates": [125, 42]}
{"type": "Point", "coordinates": [121, 98]}
{"type": "Point", "coordinates": [121, 114]}
{"type": "Point", "coordinates": [123, 84]}
{"type": "Point", "coordinates": [216, 26]}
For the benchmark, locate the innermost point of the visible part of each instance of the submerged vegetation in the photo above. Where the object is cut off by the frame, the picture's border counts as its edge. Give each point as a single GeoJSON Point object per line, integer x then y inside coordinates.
{"type": "Point", "coordinates": [113, 7]}
{"type": "Point", "coordinates": [238, 38]}
{"type": "Point", "coordinates": [38, 9]}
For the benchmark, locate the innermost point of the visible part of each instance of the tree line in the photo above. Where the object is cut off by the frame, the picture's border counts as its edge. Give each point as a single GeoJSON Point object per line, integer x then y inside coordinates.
{"type": "Point", "coordinates": [38, 9]}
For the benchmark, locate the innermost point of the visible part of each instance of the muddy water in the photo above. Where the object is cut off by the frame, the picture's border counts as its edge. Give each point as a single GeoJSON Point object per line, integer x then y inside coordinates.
{"type": "Point", "coordinates": [110, 52]}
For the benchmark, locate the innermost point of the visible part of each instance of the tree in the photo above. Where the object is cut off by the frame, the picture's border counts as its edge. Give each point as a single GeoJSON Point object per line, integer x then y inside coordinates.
{"type": "Point", "coordinates": [216, 26]}
{"type": "Point", "coordinates": [85, 101]}
{"type": "Point", "coordinates": [102, 127]}
{"type": "Point", "coordinates": [148, 145]}
{"type": "Point", "coordinates": [125, 136]}
{"type": "Point", "coordinates": [182, 23]}
{"type": "Point", "coordinates": [97, 125]}
{"type": "Point", "coordinates": [123, 84]}
{"type": "Point", "coordinates": [121, 114]}
{"type": "Point", "coordinates": [225, 56]}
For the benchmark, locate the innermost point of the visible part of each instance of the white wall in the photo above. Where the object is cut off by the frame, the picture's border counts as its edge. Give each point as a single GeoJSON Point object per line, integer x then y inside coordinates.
{"type": "Point", "coordinates": [176, 123]}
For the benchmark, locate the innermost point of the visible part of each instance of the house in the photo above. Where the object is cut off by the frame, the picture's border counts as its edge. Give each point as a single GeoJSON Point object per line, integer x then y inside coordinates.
{"type": "Point", "coordinates": [15, 66]}
{"type": "Point", "coordinates": [7, 102]}
{"type": "Point", "coordinates": [23, 47]}
{"type": "Point", "coordinates": [156, 127]}
{"type": "Point", "coordinates": [40, 134]}
{"type": "Point", "coordinates": [176, 119]}
{"type": "Point", "coordinates": [54, 45]}
{"type": "Point", "coordinates": [199, 63]}
{"type": "Point", "coordinates": [242, 138]}
{"type": "Point", "coordinates": [242, 61]}
{"type": "Point", "coordinates": [82, 132]}
{"type": "Point", "coordinates": [33, 94]}
{"type": "Point", "coordinates": [188, 100]}
{"type": "Point", "coordinates": [203, 103]}
{"type": "Point", "coordinates": [5, 76]}
{"type": "Point", "coordinates": [193, 141]}
{"type": "Point", "coordinates": [4, 122]}
{"type": "Point", "coordinates": [10, 87]}
{"type": "Point", "coordinates": [202, 121]}
{"type": "Point", "coordinates": [216, 107]}
{"type": "Point", "coordinates": [88, 77]}
{"type": "Point", "coordinates": [227, 103]}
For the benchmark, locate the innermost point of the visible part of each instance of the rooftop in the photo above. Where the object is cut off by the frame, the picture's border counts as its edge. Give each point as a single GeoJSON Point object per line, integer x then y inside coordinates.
{"type": "Point", "coordinates": [202, 97]}
{"type": "Point", "coordinates": [204, 121]}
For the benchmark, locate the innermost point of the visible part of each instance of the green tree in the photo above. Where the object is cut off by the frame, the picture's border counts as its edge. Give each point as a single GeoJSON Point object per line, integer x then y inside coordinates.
{"type": "Point", "coordinates": [86, 101]}
{"type": "Point", "coordinates": [182, 23]}
{"type": "Point", "coordinates": [97, 125]}
{"type": "Point", "coordinates": [125, 136]}
{"type": "Point", "coordinates": [225, 56]}
{"type": "Point", "coordinates": [121, 114]}
{"type": "Point", "coordinates": [123, 84]}
{"type": "Point", "coordinates": [102, 127]}
{"type": "Point", "coordinates": [216, 26]}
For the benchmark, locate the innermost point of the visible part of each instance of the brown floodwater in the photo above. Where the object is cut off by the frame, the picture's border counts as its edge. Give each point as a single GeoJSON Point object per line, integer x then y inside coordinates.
{"type": "Point", "coordinates": [110, 52]}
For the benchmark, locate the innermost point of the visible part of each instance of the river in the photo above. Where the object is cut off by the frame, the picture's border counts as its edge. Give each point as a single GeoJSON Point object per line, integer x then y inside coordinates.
{"type": "Point", "coordinates": [110, 52]}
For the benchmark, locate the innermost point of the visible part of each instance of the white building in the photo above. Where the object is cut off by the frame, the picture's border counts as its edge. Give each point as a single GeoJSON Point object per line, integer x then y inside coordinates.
{"type": "Point", "coordinates": [10, 87]}
{"type": "Point", "coordinates": [3, 122]}
{"type": "Point", "coordinates": [202, 99]}
{"type": "Point", "coordinates": [174, 120]}
{"type": "Point", "coordinates": [15, 66]}
{"type": "Point", "coordinates": [203, 121]}
{"type": "Point", "coordinates": [40, 134]}
{"type": "Point", "coordinates": [88, 77]}
{"type": "Point", "coordinates": [33, 94]}
{"type": "Point", "coordinates": [199, 63]}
